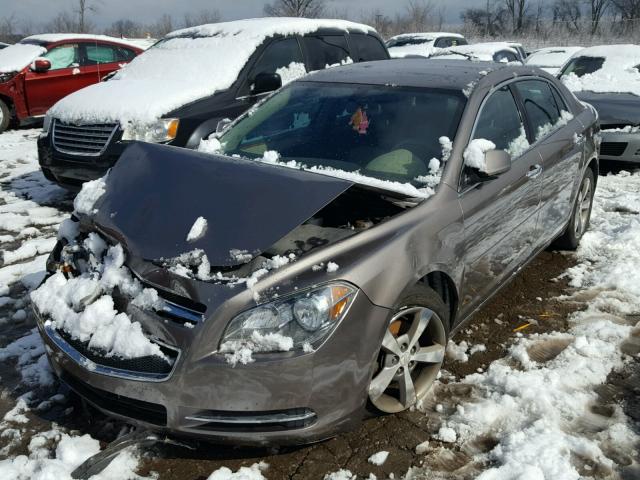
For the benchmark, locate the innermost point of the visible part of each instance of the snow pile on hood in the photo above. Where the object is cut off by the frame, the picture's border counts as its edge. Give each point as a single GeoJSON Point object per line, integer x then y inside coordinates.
{"type": "Point", "coordinates": [89, 195]}
{"type": "Point", "coordinates": [619, 72]}
{"type": "Point", "coordinates": [83, 307]}
{"type": "Point", "coordinates": [185, 66]}
{"type": "Point", "coordinates": [15, 57]}
{"type": "Point", "coordinates": [541, 412]}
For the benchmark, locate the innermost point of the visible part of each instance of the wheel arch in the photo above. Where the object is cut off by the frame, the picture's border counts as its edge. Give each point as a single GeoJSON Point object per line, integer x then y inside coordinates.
{"type": "Point", "coordinates": [442, 283]}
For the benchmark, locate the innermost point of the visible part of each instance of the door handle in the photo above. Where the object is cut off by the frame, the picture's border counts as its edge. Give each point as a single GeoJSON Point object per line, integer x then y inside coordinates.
{"type": "Point", "coordinates": [534, 171]}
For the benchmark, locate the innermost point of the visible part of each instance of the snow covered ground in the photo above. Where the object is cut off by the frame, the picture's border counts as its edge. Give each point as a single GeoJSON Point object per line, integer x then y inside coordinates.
{"type": "Point", "coordinates": [539, 408]}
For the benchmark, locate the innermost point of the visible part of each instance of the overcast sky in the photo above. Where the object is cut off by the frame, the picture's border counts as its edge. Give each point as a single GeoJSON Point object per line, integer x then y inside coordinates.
{"type": "Point", "coordinates": [40, 11]}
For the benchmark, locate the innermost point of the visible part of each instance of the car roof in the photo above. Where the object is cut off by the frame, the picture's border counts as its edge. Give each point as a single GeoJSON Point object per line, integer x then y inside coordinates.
{"type": "Point", "coordinates": [47, 38]}
{"type": "Point", "coordinates": [418, 72]}
{"type": "Point", "coordinates": [270, 26]}
{"type": "Point", "coordinates": [427, 36]}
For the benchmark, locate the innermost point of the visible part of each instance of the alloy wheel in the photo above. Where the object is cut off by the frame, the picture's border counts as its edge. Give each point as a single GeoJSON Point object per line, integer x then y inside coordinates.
{"type": "Point", "coordinates": [583, 207]}
{"type": "Point", "coordinates": [411, 356]}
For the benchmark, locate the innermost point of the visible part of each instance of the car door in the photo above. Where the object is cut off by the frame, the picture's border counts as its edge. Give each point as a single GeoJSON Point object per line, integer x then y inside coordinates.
{"type": "Point", "coordinates": [558, 137]}
{"type": "Point", "coordinates": [100, 59]}
{"type": "Point", "coordinates": [282, 56]}
{"type": "Point", "coordinates": [43, 89]}
{"type": "Point", "coordinates": [500, 214]}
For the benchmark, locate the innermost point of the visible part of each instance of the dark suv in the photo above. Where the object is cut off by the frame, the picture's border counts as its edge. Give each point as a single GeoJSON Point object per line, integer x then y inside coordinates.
{"type": "Point", "coordinates": [180, 89]}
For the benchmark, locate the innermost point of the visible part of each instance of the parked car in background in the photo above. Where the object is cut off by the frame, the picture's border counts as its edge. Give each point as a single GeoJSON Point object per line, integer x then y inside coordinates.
{"type": "Point", "coordinates": [608, 78]}
{"type": "Point", "coordinates": [40, 70]}
{"type": "Point", "coordinates": [180, 89]}
{"type": "Point", "coordinates": [520, 49]}
{"type": "Point", "coordinates": [422, 44]}
{"type": "Point", "coordinates": [481, 52]}
{"type": "Point", "coordinates": [3, 45]}
{"type": "Point", "coordinates": [356, 219]}
{"type": "Point", "coordinates": [552, 59]}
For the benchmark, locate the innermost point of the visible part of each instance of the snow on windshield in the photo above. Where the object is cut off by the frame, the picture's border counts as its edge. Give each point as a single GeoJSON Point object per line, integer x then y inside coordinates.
{"type": "Point", "coordinates": [185, 66]}
{"type": "Point", "coordinates": [552, 57]}
{"type": "Point", "coordinates": [619, 72]}
{"type": "Point", "coordinates": [15, 57]}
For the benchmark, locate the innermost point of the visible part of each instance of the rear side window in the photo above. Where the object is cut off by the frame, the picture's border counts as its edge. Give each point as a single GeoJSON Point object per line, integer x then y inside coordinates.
{"type": "Point", "coordinates": [504, 56]}
{"type": "Point", "coordinates": [97, 54]}
{"type": "Point", "coordinates": [449, 42]}
{"type": "Point", "coordinates": [500, 122]}
{"type": "Point", "coordinates": [540, 106]}
{"type": "Point", "coordinates": [63, 56]}
{"type": "Point", "coordinates": [368, 48]}
{"type": "Point", "coordinates": [278, 55]}
{"type": "Point", "coordinates": [124, 54]}
{"type": "Point", "coordinates": [583, 66]}
{"type": "Point", "coordinates": [325, 50]}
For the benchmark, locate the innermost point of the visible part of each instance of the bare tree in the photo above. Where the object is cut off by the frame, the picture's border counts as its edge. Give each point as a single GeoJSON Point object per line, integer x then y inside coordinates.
{"type": "Point", "coordinates": [383, 24]}
{"type": "Point", "coordinates": [597, 8]}
{"type": "Point", "coordinates": [490, 21]}
{"type": "Point", "coordinates": [518, 12]}
{"type": "Point", "coordinates": [568, 13]}
{"type": "Point", "coordinates": [84, 7]}
{"type": "Point", "coordinates": [126, 28]}
{"type": "Point", "coordinates": [64, 22]}
{"type": "Point", "coordinates": [418, 14]}
{"type": "Point", "coordinates": [202, 18]}
{"type": "Point", "coordinates": [628, 9]}
{"type": "Point", "coordinates": [295, 8]}
{"type": "Point", "coordinates": [163, 26]}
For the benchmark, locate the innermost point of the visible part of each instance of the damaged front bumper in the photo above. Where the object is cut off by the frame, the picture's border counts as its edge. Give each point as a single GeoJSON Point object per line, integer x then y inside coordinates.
{"type": "Point", "coordinates": [281, 398]}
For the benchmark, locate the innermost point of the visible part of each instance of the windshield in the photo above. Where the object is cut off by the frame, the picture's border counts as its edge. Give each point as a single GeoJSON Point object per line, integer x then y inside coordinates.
{"type": "Point", "coordinates": [384, 132]}
{"type": "Point", "coordinates": [401, 42]}
{"type": "Point", "coordinates": [581, 66]}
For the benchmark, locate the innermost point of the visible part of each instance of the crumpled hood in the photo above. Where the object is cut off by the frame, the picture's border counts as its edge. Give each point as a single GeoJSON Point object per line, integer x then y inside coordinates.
{"type": "Point", "coordinates": [15, 57]}
{"type": "Point", "coordinates": [614, 108]}
{"type": "Point", "coordinates": [155, 193]}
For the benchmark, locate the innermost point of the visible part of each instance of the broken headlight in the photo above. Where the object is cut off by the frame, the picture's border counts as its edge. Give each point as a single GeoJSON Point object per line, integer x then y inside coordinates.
{"type": "Point", "coordinates": [305, 318]}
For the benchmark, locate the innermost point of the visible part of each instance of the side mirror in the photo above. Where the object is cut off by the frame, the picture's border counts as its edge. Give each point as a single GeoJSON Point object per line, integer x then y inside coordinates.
{"type": "Point", "coordinates": [266, 82]}
{"type": "Point", "coordinates": [222, 125]}
{"type": "Point", "coordinates": [496, 162]}
{"type": "Point", "coordinates": [40, 65]}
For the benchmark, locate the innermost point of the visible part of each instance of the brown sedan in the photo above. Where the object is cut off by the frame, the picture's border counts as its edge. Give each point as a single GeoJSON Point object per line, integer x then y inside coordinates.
{"type": "Point", "coordinates": [346, 228]}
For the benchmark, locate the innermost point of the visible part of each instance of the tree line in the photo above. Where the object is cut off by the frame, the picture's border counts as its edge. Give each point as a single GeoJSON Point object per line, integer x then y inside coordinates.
{"type": "Point", "coordinates": [585, 21]}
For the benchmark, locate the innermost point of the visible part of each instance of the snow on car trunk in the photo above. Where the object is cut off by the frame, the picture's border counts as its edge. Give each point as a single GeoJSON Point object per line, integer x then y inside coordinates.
{"type": "Point", "coordinates": [184, 66]}
{"type": "Point", "coordinates": [15, 57]}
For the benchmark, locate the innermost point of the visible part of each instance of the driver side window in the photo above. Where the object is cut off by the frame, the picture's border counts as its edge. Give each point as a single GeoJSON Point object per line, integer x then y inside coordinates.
{"type": "Point", "coordinates": [282, 57]}
{"type": "Point", "coordinates": [63, 56]}
{"type": "Point", "coordinates": [500, 122]}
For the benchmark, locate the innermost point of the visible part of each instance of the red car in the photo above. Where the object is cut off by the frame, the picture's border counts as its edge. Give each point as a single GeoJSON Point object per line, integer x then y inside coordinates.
{"type": "Point", "coordinates": [40, 70]}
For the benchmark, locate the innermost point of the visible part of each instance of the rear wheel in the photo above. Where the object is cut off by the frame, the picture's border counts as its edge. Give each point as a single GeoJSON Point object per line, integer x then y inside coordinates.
{"type": "Point", "coordinates": [411, 353]}
{"type": "Point", "coordinates": [581, 215]}
{"type": "Point", "coordinates": [5, 116]}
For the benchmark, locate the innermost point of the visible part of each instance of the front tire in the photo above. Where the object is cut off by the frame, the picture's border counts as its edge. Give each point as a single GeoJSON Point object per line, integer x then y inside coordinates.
{"type": "Point", "coordinates": [581, 215]}
{"type": "Point", "coordinates": [5, 116]}
{"type": "Point", "coordinates": [412, 351]}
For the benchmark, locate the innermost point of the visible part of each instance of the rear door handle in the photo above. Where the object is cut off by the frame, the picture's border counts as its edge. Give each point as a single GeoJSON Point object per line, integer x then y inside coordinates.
{"type": "Point", "coordinates": [534, 171]}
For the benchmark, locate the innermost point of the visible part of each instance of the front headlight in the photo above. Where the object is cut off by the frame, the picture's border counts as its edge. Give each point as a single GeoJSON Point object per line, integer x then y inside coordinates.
{"type": "Point", "coordinates": [301, 320]}
{"type": "Point", "coordinates": [5, 77]}
{"type": "Point", "coordinates": [46, 124]}
{"type": "Point", "coordinates": [163, 130]}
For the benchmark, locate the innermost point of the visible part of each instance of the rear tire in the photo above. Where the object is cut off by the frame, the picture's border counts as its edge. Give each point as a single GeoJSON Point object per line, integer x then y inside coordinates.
{"type": "Point", "coordinates": [5, 116]}
{"type": "Point", "coordinates": [412, 351]}
{"type": "Point", "coordinates": [581, 215]}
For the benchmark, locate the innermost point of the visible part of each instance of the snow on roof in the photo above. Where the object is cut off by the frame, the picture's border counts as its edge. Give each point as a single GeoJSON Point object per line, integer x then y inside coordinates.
{"type": "Point", "coordinates": [185, 66]}
{"type": "Point", "coordinates": [59, 37]}
{"type": "Point", "coordinates": [619, 72]}
{"type": "Point", "coordinates": [15, 57]}
{"type": "Point", "coordinates": [480, 51]}
{"type": "Point", "coordinates": [427, 36]}
{"type": "Point", "coordinates": [552, 56]}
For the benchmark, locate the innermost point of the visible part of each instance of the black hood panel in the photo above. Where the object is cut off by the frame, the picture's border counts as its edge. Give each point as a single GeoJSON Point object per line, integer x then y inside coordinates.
{"type": "Point", "coordinates": [614, 108]}
{"type": "Point", "coordinates": [155, 193]}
